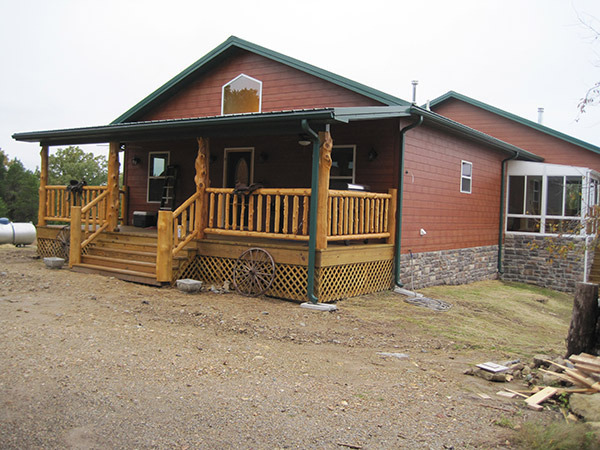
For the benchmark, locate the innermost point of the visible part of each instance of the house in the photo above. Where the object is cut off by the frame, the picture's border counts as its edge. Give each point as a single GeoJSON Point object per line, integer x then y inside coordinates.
{"type": "Point", "coordinates": [549, 199]}
{"type": "Point", "coordinates": [286, 179]}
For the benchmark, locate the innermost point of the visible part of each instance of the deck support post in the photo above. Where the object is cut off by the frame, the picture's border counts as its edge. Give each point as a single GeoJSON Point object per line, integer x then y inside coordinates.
{"type": "Point", "coordinates": [75, 238]}
{"type": "Point", "coordinates": [112, 185]}
{"type": "Point", "coordinates": [325, 146]}
{"type": "Point", "coordinates": [42, 210]}
{"type": "Point", "coordinates": [164, 246]}
{"type": "Point", "coordinates": [202, 182]}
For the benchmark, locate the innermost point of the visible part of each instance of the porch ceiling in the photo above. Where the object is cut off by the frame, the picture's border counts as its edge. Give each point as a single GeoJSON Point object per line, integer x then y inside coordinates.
{"type": "Point", "coordinates": [269, 123]}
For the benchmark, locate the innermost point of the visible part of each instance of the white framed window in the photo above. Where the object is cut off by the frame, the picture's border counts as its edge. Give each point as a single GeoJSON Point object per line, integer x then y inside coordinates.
{"type": "Point", "coordinates": [466, 177]}
{"type": "Point", "coordinates": [243, 94]}
{"type": "Point", "coordinates": [157, 169]}
{"type": "Point", "coordinates": [343, 164]}
{"type": "Point", "coordinates": [549, 199]}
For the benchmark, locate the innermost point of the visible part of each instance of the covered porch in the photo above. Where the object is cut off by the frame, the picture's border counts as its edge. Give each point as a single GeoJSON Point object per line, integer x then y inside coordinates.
{"type": "Point", "coordinates": [326, 246]}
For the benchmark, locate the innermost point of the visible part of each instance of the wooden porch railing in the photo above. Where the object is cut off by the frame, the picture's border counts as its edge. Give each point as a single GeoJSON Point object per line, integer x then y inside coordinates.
{"type": "Point", "coordinates": [59, 201]}
{"type": "Point", "coordinates": [87, 223]}
{"type": "Point", "coordinates": [269, 213]}
{"type": "Point", "coordinates": [359, 215]}
{"type": "Point", "coordinates": [175, 230]}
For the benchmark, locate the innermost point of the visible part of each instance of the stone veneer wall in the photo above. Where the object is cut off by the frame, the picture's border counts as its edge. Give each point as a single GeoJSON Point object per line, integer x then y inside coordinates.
{"type": "Point", "coordinates": [527, 259]}
{"type": "Point", "coordinates": [459, 266]}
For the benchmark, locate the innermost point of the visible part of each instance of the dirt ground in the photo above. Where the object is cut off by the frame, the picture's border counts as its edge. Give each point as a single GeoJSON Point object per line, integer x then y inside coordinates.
{"type": "Point", "coordinates": [90, 362]}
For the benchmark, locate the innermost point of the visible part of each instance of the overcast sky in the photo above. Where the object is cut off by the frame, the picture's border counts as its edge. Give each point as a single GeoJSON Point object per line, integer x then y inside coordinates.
{"type": "Point", "coordinates": [83, 63]}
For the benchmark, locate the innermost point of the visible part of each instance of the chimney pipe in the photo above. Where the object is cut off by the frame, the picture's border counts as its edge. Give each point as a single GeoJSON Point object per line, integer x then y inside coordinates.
{"type": "Point", "coordinates": [540, 115]}
{"type": "Point", "coordinates": [414, 84]}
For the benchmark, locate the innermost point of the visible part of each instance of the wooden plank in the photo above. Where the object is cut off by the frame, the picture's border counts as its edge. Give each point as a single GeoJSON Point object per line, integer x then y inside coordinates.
{"type": "Point", "coordinates": [251, 213]}
{"type": "Point", "coordinates": [339, 255]}
{"type": "Point", "coordinates": [286, 213]}
{"type": "Point", "coordinates": [295, 208]}
{"type": "Point", "coordinates": [268, 215]}
{"type": "Point", "coordinates": [585, 359]}
{"type": "Point", "coordinates": [295, 253]}
{"type": "Point", "coordinates": [291, 237]}
{"type": "Point", "coordinates": [541, 396]}
{"type": "Point", "coordinates": [220, 208]}
{"type": "Point", "coordinates": [277, 213]}
{"type": "Point", "coordinates": [259, 212]}
{"type": "Point", "coordinates": [305, 209]}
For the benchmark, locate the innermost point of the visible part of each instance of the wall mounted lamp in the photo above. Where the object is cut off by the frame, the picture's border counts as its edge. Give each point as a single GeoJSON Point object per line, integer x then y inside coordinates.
{"type": "Point", "coordinates": [135, 161]}
{"type": "Point", "coordinates": [304, 140]}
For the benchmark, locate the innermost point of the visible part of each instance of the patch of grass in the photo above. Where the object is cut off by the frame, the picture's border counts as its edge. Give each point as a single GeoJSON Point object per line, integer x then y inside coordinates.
{"type": "Point", "coordinates": [511, 318]}
{"type": "Point", "coordinates": [557, 436]}
{"type": "Point", "coordinates": [505, 423]}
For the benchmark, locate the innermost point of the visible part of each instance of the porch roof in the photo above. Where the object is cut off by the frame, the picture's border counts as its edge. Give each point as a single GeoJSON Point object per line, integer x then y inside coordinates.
{"type": "Point", "coordinates": [280, 122]}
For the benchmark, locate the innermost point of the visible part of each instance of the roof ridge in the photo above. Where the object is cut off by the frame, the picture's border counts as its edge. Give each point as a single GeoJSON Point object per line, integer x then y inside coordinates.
{"type": "Point", "coordinates": [234, 41]}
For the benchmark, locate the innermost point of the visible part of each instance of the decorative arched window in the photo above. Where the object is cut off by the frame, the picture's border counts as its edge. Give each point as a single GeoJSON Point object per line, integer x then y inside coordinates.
{"type": "Point", "coordinates": [243, 94]}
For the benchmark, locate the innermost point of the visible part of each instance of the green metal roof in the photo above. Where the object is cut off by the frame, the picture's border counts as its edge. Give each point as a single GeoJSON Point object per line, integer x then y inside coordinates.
{"type": "Point", "coordinates": [233, 42]}
{"type": "Point", "coordinates": [544, 129]}
{"type": "Point", "coordinates": [252, 124]}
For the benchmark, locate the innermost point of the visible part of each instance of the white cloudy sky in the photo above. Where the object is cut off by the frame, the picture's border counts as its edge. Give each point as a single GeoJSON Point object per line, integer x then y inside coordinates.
{"type": "Point", "coordinates": [70, 63]}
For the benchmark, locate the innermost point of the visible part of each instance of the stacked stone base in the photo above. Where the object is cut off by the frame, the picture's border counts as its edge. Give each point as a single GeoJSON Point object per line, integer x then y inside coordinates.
{"type": "Point", "coordinates": [531, 259]}
{"type": "Point", "coordinates": [449, 267]}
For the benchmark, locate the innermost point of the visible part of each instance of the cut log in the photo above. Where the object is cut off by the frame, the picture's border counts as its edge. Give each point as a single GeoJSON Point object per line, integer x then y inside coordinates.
{"type": "Point", "coordinates": [582, 331]}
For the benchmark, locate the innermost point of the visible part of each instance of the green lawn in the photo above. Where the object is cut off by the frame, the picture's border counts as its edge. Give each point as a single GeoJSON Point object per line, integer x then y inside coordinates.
{"type": "Point", "coordinates": [513, 318]}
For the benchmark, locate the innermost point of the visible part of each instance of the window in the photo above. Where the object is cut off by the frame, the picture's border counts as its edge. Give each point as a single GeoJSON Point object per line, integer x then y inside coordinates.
{"type": "Point", "coordinates": [524, 203]}
{"type": "Point", "coordinates": [544, 204]}
{"type": "Point", "coordinates": [466, 177]}
{"type": "Point", "coordinates": [157, 167]}
{"type": "Point", "coordinates": [342, 164]}
{"type": "Point", "coordinates": [243, 94]}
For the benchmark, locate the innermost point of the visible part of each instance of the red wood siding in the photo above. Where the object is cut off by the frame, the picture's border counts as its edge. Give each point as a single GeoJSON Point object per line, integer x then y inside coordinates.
{"type": "Point", "coordinates": [432, 197]}
{"type": "Point", "coordinates": [552, 149]}
{"type": "Point", "coordinates": [432, 201]}
{"type": "Point", "coordinates": [284, 88]}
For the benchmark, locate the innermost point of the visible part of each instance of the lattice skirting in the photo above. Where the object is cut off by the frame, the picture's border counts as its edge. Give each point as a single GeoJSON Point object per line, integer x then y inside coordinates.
{"type": "Point", "coordinates": [332, 282]}
{"type": "Point", "coordinates": [50, 247]}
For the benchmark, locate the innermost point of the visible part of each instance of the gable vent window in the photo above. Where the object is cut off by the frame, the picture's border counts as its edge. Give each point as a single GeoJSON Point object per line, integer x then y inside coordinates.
{"type": "Point", "coordinates": [466, 177]}
{"type": "Point", "coordinates": [243, 94]}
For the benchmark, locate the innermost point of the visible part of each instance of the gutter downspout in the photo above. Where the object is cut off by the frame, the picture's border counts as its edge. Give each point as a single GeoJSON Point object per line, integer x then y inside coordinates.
{"type": "Point", "coordinates": [502, 196]}
{"type": "Point", "coordinates": [314, 199]}
{"type": "Point", "coordinates": [398, 245]}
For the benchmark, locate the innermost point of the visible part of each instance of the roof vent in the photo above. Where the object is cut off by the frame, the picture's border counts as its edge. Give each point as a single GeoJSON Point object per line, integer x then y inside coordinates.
{"type": "Point", "coordinates": [414, 85]}
{"type": "Point", "coordinates": [540, 115]}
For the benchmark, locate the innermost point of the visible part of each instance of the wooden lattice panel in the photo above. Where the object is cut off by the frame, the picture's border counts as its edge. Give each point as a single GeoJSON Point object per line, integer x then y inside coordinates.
{"type": "Point", "coordinates": [332, 282]}
{"type": "Point", "coordinates": [50, 247]}
{"type": "Point", "coordinates": [350, 280]}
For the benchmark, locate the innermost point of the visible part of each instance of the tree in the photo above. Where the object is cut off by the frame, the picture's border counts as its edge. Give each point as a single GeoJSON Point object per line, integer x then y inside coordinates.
{"type": "Point", "coordinates": [18, 191]}
{"type": "Point", "coordinates": [72, 163]}
{"type": "Point", "coordinates": [592, 96]}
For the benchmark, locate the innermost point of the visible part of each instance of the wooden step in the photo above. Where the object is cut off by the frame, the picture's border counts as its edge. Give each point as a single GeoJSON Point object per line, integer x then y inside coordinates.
{"type": "Point", "coordinates": [120, 253]}
{"type": "Point", "coordinates": [137, 247]}
{"type": "Point", "coordinates": [126, 264]}
{"type": "Point", "coordinates": [127, 275]}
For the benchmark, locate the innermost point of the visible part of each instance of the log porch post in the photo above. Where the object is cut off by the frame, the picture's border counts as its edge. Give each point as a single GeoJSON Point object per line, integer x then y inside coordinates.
{"type": "Point", "coordinates": [392, 216]}
{"type": "Point", "coordinates": [164, 246]}
{"type": "Point", "coordinates": [75, 243]}
{"type": "Point", "coordinates": [202, 182]}
{"type": "Point", "coordinates": [42, 209]}
{"type": "Point", "coordinates": [326, 144]}
{"type": "Point", "coordinates": [112, 185]}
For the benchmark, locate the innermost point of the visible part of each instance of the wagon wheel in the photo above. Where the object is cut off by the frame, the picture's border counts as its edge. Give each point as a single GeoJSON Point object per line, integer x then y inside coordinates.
{"type": "Point", "coordinates": [254, 272]}
{"type": "Point", "coordinates": [64, 242]}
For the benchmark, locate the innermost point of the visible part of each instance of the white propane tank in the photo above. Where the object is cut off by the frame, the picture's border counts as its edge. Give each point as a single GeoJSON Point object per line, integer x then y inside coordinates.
{"type": "Point", "coordinates": [16, 233]}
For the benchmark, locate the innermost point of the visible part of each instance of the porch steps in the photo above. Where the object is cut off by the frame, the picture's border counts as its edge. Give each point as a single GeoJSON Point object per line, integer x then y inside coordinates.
{"type": "Point", "coordinates": [127, 256]}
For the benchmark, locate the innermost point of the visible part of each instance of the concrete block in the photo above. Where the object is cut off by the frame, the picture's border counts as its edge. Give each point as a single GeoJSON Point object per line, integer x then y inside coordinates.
{"type": "Point", "coordinates": [319, 306]}
{"type": "Point", "coordinates": [54, 262]}
{"type": "Point", "coordinates": [189, 286]}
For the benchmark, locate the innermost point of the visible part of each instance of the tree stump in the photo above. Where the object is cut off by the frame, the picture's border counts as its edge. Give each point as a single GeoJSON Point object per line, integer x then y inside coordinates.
{"type": "Point", "coordinates": [582, 335]}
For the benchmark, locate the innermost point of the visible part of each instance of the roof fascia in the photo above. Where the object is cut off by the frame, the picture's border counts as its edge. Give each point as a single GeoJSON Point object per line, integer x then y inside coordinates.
{"type": "Point", "coordinates": [474, 134]}
{"type": "Point", "coordinates": [243, 124]}
{"type": "Point", "coordinates": [529, 123]}
{"type": "Point", "coordinates": [267, 53]}
{"type": "Point", "coordinates": [349, 114]}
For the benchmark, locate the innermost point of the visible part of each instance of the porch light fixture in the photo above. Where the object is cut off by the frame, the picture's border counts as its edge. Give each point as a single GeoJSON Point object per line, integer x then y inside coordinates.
{"type": "Point", "coordinates": [372, 155]}
{"type": "Point", "coordinates": [304, 140]}
{"type": "Point", "coordinates": [135, 161]}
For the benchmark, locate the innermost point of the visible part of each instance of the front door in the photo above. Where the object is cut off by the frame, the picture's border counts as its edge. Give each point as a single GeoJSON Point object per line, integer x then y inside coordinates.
{"type": "Point", "coordinates": [238, 167]}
